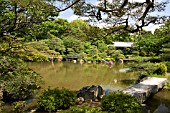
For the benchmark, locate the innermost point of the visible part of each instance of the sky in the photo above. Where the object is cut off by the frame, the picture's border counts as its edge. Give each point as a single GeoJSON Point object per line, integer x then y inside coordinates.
{"type": "Point", "coordinates": [68, 14]}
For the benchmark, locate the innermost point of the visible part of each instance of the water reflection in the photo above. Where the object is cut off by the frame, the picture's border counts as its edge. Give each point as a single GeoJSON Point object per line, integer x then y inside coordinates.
{"type": "Point", "coordinates": [159, 99]}
{"type": "Point", "coordinates": [75, 76]}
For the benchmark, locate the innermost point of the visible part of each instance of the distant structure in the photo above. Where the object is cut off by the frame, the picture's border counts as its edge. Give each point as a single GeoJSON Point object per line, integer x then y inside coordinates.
{"type": "Point", "coordinates": [123, 44]}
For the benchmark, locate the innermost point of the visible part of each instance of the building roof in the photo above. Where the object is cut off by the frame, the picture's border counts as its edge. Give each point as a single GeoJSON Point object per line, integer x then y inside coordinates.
{"type": "Point", "coordinates": [123, 44]}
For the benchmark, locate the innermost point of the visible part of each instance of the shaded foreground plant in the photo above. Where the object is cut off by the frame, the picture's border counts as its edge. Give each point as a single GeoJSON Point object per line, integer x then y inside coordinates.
{"type": "Point", "coordinates": [119, 102]}
{"type": "Point", "coordinates": [17, 80]}
{"type": "Point", "coordinates": [56, 99]}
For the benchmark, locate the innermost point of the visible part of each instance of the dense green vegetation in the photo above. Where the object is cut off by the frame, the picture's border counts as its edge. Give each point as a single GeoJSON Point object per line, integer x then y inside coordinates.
{"type": "Point", "coordinates": [31, 31]}
{"type": "Point", "coordinates": [56, 99]}
{"type": "Point", "coordinates": [119, 102]}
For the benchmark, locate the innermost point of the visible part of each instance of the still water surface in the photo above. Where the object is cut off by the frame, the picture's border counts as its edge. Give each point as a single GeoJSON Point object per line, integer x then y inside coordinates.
{"type": "Point", "coordinates": [75, 76]}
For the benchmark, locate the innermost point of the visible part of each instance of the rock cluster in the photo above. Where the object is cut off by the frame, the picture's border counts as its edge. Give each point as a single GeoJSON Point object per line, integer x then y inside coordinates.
{"type": "Point", "coordinates": [90, 93]}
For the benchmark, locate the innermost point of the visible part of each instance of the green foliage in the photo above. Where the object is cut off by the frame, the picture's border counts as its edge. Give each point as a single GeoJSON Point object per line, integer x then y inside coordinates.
{"type": "Point", "coordinates": [161, 69]}
{"type": "Point", "coordinates": [19, 82]}
{"type": "Point", "coordinates": [56, 99]}
{"type": "Point", "coordinates": [84, 109]}
{"type": "Point", "coordinates": [56, 44]}
{"type": "Point", "coordinates": [1, 106]}
{"type": "Point", "coordinates": [149, 69]}
{"type": "Point", "coordinates": [19, 107]}
{"type": "Point", "coordinates": [165, 56]}
{"type": "Point", "coordinates": [135, 53]}
{"type": "Point", "coordinates": [89, 58]}
{"type": "Point", "coordinates": [168, 65]}
{"type": "Point", "coordinates": [118, 54]}
{"type": "Point", "coordinates": [142, 53]}
{"type": "Point", "coordinates": [19, 16]}
{"type": "Point", "coordinates": [93, 51]}
{"type": "Point", "coordinates": [79, 29]}
{"type": "Point", "coordinates": [118, 102]}
{"type": "Point", "coordinates": [73, 46]}
{"type": "Point", "coordinates": [167, 85]}
{"type": "Point", "coordinates": [36, 51]}
{"type": "Point", "coordinates": [107, 59]}
{"type": "Point", "coordinates": [48, 29]}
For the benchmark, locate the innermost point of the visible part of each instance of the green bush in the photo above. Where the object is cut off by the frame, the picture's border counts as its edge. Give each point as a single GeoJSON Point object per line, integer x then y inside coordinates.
{"type": "Point", "coordinates": [84, 109]}
{"type": "Point", "coordinates": [89, 58]}
{"type": "Point", "coordinates": [168, 65]}
{"type": "Point", "coordinates": [149, 69]}
{"type": "Point", "coordinates": [1, 106]}
{"type": "Point", "coordinates": [142, 53]}
{"type": "Point", "coordinates": [120, 56]}
{"type": "Point", "coordinates": [107, 59]}
{"type": "Point", "coordinates": [19, 107]}
{"type": "Point", "coordinates": [56, 99]}
{"type": "Point", "coordinates": [135, 53]}
{"type": "Point", "coordinates": [19, 82]}
{"type": "Point", "coordinates": [118, 102]}
{"type": "Point", "coordinates": [98, 59]}
{"type": "Point", "coordinates": [161, 69]}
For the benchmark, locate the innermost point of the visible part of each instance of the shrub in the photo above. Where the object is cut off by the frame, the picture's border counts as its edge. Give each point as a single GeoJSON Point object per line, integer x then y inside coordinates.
{"type": "Point", "coordinates": [84, 109]}
{"type": "Point", "coordinates": [161, 69]}
{"type": "Point", "coordinates": [55, 99]}
{"type": "Point", "coordinates": [149, 69]}
{"type": "Point", "coordinates": [19, 82]}
{"type": "Point", "coordinates": [19, 107]}
{"type": "Point", "coordinates": [168, 66]}
{"type": "Point", "coordinates": [1, 106]}
{"type": "Point", "coordinates": [118, 102]}
{"type": "Point", "coordinates": [98, 59]}
{"type": "Point", "coordinates": [142, 53]}
{"type": "Point", "coordinates": [135, 53]}
{"type": "Point", "coordinates": [107, 59]}
{"type": "Point", "coordinates": [89, 58]}
{"type": "Point", "coordinates": [120, 56]}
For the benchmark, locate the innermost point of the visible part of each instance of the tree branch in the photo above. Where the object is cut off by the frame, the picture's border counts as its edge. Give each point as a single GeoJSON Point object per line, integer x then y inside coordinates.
{"type": "Point", "coordinates": [60, 10]}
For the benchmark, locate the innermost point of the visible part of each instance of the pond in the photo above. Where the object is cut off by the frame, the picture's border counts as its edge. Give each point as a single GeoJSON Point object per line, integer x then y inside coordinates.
{"type": "Point", "coordinates": [74, 76]}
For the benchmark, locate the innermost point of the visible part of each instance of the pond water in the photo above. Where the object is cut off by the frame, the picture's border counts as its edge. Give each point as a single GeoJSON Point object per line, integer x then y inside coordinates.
{"type": "Point", "coordinates": [74, 76]}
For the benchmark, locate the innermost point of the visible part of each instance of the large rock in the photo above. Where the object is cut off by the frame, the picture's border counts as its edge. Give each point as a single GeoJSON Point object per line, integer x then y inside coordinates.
{"type": "Point", "coordinates": [90, 93]}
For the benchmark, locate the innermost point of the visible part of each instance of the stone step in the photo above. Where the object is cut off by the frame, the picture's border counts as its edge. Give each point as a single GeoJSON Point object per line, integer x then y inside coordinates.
{"type": "Point", "coordinates": [143, 90]}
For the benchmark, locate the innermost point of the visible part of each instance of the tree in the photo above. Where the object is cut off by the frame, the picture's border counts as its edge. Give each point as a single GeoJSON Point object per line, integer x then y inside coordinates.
{"type": "Point", "coordinates": [79, 29]}
{"type": "Point", "coordinates": [47, 28]}
{"type": "Point", "coordinates": [19, 15]}
{"type": "Point", "coordinates": [73, 46]}
{"type": "Point", "coordinates": [149, 43]}
{"type": "Point", "coordinates": [56, 44]}
{"type": "Point", "coordinates": [118, 12]}
{"type": "Point", "coordinates": [166, 42]}
{"type": "Point", "coordinates": [17, 18]}
{"type": "Point", "coordinates": [17, 80]}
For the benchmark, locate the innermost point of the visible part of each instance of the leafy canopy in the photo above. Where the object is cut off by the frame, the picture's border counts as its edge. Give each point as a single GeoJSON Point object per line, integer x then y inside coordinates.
{"type": "Point", "coordinates": [130, 15]}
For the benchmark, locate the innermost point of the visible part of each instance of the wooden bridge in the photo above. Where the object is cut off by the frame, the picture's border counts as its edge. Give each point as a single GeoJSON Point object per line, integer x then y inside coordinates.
{"type": "Point", "coordinates": [143, 90]}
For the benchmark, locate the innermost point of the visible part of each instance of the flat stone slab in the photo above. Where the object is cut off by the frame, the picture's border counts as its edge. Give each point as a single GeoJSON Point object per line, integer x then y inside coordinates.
{"type": "Point", "coordinates": [143, 90]}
